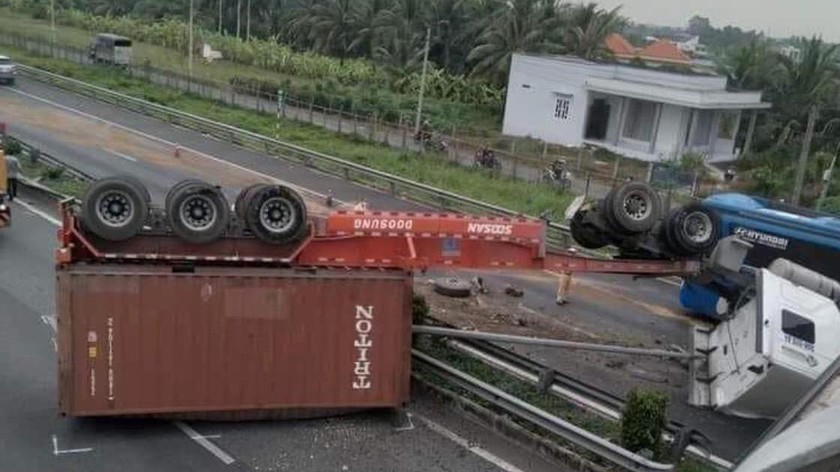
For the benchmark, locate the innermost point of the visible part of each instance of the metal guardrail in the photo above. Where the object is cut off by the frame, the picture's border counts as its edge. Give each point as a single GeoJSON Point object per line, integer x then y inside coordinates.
{"type": "Point", "coordinates": [557, 235]}
{"type": "Point", "coordinates": [50, 161]}
{"type": "Point", "coordinates": [544, 420]}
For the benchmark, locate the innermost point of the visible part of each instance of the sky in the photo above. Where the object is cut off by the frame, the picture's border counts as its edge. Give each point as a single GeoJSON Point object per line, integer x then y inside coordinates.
{"type": "Point", "coordinates": [777, 18]}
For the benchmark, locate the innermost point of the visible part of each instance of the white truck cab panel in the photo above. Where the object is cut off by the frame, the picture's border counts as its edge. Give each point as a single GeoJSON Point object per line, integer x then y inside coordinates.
{"type": "Point", "coordinates": [769, 352]}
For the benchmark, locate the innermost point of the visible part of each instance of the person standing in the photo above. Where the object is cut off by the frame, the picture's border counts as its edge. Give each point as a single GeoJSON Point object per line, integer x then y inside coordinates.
{"type": "Point", "coordinates": [564, 283]}
{"type": "Point", "coordinates": [12, 170]}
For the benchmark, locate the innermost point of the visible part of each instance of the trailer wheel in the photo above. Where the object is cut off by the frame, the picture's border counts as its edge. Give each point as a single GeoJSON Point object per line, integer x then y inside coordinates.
{"type": "Point", "coordinates": [138, 185]}
{"type": "Point", "coordinates": [693, 229]}
{"type": "Point", "coordinates": [197, 212]}
{"type": "Point", "coordinates": [632, 207]}
{"type": "Point", "coordinates": [240, 205]}
{"type": "Point", "coordinates": [453, 287]}
{"type": "Point", "coordinates": [114, 208]}
{"type": "Point", "coordinates": [585, 234]}
{"type": "Point", "coordinates": [275, 214]}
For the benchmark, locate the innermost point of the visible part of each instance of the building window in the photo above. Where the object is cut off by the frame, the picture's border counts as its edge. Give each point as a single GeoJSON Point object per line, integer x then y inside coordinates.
{"type": "Point", "coordinates": [639, 120]}
{"type": "Point", "coordinates": [797, 327]}
{"type": "Point", "coordinates": [703, 129]}
{"type": "Point", "coordinates": [562, 106]}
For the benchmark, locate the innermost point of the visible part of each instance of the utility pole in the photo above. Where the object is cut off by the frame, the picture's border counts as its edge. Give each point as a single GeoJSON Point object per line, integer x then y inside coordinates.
{"type": "Point", "coordinates": [248, 23]}
{"type": "Point", "coordinates": [829, 173]}
{"type": "Point", "coordinates": [190, 46]}
{"type": "Point", "coordinates": [803, 155]}
{"type": "Point", "coordinates": [422, 83]}
{"type": "Point", "coordinates": [220, 16]}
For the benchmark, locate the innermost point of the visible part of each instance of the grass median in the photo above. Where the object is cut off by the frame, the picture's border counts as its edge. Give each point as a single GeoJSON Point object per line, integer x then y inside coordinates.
{"type": "Point", "coordinates": [430, 169]}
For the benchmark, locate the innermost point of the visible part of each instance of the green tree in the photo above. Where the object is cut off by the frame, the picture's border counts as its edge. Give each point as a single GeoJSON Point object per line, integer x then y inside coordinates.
{"type": "Point", "coordinates": [518, 26]}
{"type": "Point", "coordinates": [812, 80]}
{"type": "Point", "coordinates": [751, 67]}
{"type": "Point", "coordinates": [588, 28]}
{"type": "Point", "coordinates": [333, 27]}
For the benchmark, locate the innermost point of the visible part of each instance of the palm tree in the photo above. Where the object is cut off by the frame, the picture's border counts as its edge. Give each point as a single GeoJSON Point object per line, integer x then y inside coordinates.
{"type": "Point", "coordinates": [750, 67]}
{"type": "Point", "coordinates": [449, 20]}
{"type": "Point", "coordinates": [332, 27]}
{"type": "Point", "coordinates": [518, 26]}
{"type": "Point", "coordinates": [588, 28]}
{"type": "Point", "coordinates": [369, 20]}
{"type": "Point", "coordinates": [810, 81]}
{"type": "Point", "coordinates": [402, 43]}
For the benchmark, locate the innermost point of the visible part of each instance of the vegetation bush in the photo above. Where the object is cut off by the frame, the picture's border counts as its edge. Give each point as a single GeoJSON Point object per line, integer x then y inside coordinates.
{"type": "Point", "coordinates": [644, 421]}
{"type": "Point", "coordinates": [11, 146]}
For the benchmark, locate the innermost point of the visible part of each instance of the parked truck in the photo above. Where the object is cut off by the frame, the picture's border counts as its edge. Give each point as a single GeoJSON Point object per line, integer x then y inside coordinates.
{"type": "Point", "coordinates": [107, 48]}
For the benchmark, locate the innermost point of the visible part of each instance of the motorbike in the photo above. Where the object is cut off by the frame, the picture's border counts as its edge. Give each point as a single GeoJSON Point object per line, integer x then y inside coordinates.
{"type": "Point", "coordinates": [431, 142]}
{"type": "Point", "coordinates": [486, 159]}
{"type": "Point", "coordinates": [557, 177]}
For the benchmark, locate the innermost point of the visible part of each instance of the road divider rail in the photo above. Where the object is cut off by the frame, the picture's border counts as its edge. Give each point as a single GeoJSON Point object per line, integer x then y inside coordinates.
{"type": "Point", "coordinates": [557, 235]}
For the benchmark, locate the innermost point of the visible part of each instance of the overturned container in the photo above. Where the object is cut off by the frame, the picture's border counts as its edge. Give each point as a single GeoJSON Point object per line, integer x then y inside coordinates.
{"type": "Point", "coordinates": [231, 342]}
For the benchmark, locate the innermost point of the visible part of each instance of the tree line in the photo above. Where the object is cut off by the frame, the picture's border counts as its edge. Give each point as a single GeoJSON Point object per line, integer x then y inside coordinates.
{"type": "Point", "coordinates": [469, 37]}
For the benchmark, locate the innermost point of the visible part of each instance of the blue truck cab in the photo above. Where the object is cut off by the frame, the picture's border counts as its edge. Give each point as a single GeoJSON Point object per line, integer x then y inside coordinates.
{"type": "Point", "coordinates": [775, 229]}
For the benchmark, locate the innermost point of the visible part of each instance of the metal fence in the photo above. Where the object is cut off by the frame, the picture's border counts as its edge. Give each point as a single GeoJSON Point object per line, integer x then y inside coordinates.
{"type": "Point", "coordinates": [520, 157]}
{"type": "Point", "coordinates": [557, 235]}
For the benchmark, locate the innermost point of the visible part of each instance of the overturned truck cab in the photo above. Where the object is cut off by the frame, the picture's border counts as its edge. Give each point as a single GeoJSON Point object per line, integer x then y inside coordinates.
{"type": "Point", "coordinates": [775, 341]}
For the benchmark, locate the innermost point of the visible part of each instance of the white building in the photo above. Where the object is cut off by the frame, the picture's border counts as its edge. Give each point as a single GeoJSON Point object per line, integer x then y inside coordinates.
{"type": "Point", "coordinates": [637, 112]}
{"type": "Point", "coordinates": [791, 52]}
{"type": "Point", "coordinates": [691, 45]}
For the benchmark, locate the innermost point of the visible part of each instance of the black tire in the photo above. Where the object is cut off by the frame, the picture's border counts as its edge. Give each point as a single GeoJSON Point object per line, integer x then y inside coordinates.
{"type": "Point", "coordinates": [197, 212]}
{"type": "Point", "coordinates": [275, 214]}
{"type": "Point", "coordinates": [632, 207]}
{"type": "Point", "coordinates": [138, 185]}
{"type": "Point", "coordinates": [114, 209]}
{"type": "Point", "coordinates": [692, 230]}
{"type": "Point", "coordinates": [242, 199]}
{"type": "Point", "coordinates": [585, 234]}
{"type": "Point", "coordinates": [453, 287]}
{"type": "Point", "coordinates": [177, 188]}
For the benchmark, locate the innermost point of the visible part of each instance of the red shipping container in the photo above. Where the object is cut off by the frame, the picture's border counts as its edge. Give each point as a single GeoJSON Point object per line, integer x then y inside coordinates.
{"type": "Point", "coordinates": [247, 342]}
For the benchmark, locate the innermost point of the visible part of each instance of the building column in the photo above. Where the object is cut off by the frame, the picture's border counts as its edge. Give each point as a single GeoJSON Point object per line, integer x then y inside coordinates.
{"type": "Point", "coordinates": [622, 107]}
{"type": "Point", "coordinates": [657, 121]}
{"type": "Point", "coordinates": [689, 136]}
{"type": "Point", "coordinates": [713, 133]}
{"type": "Point", "coordinates": [750, 132]}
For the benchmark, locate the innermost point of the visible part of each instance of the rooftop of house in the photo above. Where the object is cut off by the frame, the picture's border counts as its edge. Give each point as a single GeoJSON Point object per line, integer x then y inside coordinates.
{"type": "Point", "coordinates": [659, 51]}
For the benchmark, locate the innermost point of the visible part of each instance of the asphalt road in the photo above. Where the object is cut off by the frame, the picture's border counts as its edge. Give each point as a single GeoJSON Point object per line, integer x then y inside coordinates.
{"type": "Point", "coordinates": [34, 438]}
{"type": "Point", "coordinates": [643, 312]}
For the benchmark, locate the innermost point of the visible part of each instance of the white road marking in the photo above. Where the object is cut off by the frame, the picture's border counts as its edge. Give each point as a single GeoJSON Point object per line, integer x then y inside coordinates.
{"type": "Point", "coordinates": [57, 451]}
{"type": "Point", "coordinates": [49, 321]}
{"type": "Point", "coordinates": [470, 446]}
{"type": "Point", "coordinates": [205, 443]}
{"type": "Point", "coordinates": [410, 425]}
{"type": "Point", "coordinates": [675, 281]}
{"type": "Point", "coordinates": [124, 156]}
{"type": "Point", "coordinates": [171, 144]}
{"type": "Point", "coordinates": [31, 208]}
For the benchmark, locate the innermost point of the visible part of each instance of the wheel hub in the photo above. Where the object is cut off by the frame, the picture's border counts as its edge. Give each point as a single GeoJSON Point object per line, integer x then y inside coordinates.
{"type": "Point", "coordinates": [198, 213]}
{"type": "Point", "coordinates": [115, 208]}
{"type": "Point", "coordinates": [277, 215]}
{"type": "Point", "coordinates": [636, 206]}
{"type": "Point", "coordinates": [698, 227]}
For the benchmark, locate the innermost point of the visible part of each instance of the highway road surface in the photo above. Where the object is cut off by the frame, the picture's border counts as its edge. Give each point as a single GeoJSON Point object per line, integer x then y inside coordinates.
{"type": "Point", "coordinates": [34, 438]}
{"type": "Point", "coordinates": [103, 140]}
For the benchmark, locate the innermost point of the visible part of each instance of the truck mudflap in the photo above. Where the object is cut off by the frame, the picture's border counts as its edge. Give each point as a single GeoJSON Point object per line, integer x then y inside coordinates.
{"type": "Point", "coordinates": [699, 381]}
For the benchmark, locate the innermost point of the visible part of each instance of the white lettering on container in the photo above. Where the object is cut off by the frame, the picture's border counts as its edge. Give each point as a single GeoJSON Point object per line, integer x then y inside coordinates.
{"type": "Point", "coordinates": [765, 239]}
{"type": "Point", "coordinates": [383, 223]}
{"type": "Point", "coordinates": [490, 229]}
{"type": "Point", "coordinates": [363, 343]}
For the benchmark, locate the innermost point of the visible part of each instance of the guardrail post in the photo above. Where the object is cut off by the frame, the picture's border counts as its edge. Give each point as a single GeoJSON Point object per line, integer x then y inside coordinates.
{"type": "Point", "coordinates": [393, 186]}
{"type": "Point", "coordinates": [347, 174]}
